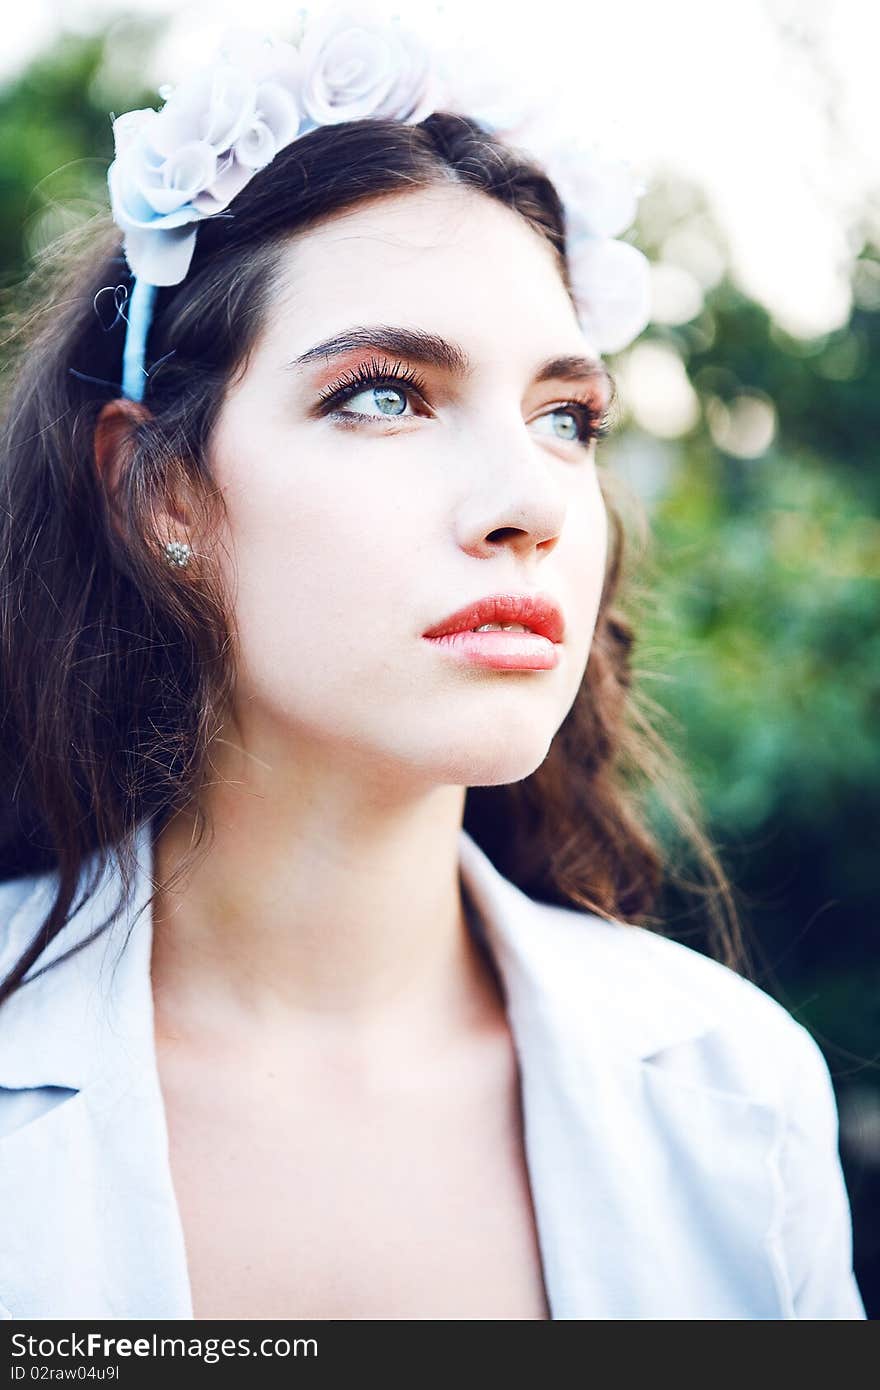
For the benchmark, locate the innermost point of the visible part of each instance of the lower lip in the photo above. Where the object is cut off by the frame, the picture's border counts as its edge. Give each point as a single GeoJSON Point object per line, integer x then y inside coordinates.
{"type": "Point", "coordinates": [501, 651]}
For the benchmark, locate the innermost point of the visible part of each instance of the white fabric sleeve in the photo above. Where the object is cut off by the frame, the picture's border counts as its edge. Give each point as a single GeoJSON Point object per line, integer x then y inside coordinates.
{"type": "Point", "coordinates": [817, 1226]}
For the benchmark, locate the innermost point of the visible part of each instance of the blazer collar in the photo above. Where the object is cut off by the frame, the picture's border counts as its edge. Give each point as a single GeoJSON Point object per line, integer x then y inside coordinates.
{"type": "Point", "coordinates": [573, 971]}
{"type": "Point", "coordinates": [654, 1176]}
{"type": "Point", "coordinates": [578, 972]}
{"type": "Point", "coordinates": [69, 1024]}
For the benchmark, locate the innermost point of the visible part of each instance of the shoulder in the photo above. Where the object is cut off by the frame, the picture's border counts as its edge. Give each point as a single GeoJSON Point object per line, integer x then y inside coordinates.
{"type": "Point", "coordinates": [712, 1035]}
{"type": "Point", "coordinates": [14, 893]}
{"type": "Point", "coordinates": [727, 1080]}
{"type": "Point", "coordinates": [688, 1011]}
{"type": "Point", "coordinates": [605, 984]}
{"type": "Point", "coordinates": [734, 1001]}
{"type": "Point", "coordinates": [26, 902]}
{"type": "Point", "coordinates": [23, 904]}
{"type": "Point", "coordinates": [86, 987]}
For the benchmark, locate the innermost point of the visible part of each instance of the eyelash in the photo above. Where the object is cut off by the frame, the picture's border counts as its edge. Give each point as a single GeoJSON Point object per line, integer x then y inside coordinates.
{"type": "Point", "coordinates": [593, 423]}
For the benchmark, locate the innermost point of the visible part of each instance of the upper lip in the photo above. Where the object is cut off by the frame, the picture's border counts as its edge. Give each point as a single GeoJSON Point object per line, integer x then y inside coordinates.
{"type": "Point", "coordinates": [535, 611]}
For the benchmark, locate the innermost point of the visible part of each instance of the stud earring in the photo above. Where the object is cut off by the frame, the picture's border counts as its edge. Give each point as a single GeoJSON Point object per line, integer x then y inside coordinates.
{"type": "Point", "coordinates": [177, 553]}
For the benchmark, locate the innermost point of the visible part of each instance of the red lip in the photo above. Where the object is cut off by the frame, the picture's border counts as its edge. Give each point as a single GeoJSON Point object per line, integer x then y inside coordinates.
{"type": "Point", "coordinates": [535, 611]}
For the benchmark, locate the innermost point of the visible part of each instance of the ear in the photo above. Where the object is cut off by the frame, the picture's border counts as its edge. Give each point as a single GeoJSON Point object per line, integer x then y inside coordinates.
{"type": "Point", "coordinates": [114, 428]}
{"type": "Point", "coordinates": [114, 433]}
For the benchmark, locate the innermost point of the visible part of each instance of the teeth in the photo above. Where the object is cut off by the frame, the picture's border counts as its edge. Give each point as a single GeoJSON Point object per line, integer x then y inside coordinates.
{"type": "Point", "coordinates": [502, 627]}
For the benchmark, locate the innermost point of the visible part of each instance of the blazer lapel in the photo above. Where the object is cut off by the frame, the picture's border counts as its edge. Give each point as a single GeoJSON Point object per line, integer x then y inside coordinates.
{"type": "Point", "coordinates": [656, 1195]}
{"type": "Point", "coordinates": [92, 1231]}
{"type": "Point", "coordinates": [93, 1227]}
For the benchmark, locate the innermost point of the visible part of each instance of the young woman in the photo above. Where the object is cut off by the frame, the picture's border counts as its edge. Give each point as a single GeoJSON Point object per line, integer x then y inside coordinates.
{"type": "Point", "coordinates": [325, 992]}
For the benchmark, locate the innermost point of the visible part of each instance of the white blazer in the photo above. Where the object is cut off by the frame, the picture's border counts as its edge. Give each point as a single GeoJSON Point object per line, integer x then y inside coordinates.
{"type": "Point", "coordinates": [680, 1126]}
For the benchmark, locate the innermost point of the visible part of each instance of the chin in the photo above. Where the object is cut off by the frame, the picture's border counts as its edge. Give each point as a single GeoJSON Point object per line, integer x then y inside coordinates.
{"type": "Point", "coordinates": [486, 767]}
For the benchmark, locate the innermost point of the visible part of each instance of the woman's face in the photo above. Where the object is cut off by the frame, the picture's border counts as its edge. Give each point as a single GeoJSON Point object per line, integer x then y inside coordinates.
{"type": "Point", "coordinates": [355, 526]}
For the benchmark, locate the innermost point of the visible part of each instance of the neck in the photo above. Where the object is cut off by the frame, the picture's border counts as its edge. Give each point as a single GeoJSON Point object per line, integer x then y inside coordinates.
{"type": "Point", "coordinates": [319, 901]}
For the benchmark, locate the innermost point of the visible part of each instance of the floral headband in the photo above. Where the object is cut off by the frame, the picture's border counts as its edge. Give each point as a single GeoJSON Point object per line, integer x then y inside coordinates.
{"type": "Point", "coordinates": [178, 165]}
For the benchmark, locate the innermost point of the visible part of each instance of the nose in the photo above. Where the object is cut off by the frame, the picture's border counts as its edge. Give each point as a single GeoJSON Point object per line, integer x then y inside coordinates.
{"type": "Point", "coordinates": [515, 493]}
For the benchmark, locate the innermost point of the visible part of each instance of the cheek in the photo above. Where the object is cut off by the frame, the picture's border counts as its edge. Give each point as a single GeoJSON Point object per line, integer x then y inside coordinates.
{"type": "Point", "coordinates": [582, 558]}
{"type": "Point", "coordinates": [322, 556]}
{"type": "Point", "coordinates": [586, 550]}
{"type": "Point", "coordinates": [600, 532]}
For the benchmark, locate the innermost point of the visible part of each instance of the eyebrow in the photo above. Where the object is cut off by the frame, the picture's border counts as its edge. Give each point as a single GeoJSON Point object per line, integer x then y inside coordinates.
{"type": "Point", "coordinates": [431, 350]}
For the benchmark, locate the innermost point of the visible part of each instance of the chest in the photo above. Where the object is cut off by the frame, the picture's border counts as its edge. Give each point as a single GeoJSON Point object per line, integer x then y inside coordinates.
{"type": "Point", "coordinates": [300, 1200]}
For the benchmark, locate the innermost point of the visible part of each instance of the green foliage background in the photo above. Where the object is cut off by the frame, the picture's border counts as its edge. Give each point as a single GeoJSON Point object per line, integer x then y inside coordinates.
{"type": "Point", "coordinates": [761, 639]}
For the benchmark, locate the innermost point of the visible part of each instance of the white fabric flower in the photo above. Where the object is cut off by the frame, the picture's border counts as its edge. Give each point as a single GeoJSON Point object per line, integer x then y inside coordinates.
{"type": "Point", "coordinates": [176, 166]}
{"type": "Point", "coordinates": [599, 193]}
{"type": "Point", "coordinates": [357, 65]}
{"type": "Point", "coordinates": [611, 285]}
{"type": "Point", "coordinates": [488, 94]}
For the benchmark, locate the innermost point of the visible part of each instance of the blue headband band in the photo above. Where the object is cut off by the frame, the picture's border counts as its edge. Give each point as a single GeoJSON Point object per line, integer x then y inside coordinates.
{"type": "Point", "coordinates": [140, 312]}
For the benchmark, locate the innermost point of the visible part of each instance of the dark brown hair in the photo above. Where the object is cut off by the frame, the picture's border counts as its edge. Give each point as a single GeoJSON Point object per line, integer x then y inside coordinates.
{"type": "Point", "coordinates": [116, 672]}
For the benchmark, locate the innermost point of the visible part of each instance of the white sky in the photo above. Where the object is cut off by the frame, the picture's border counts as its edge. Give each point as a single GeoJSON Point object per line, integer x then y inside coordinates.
{"type": "Point", "coordinates": [773, 106]}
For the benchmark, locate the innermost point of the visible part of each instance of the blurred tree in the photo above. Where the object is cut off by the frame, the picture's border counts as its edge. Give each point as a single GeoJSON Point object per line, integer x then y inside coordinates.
{"type": "Point", "coordinates": [56, 135]}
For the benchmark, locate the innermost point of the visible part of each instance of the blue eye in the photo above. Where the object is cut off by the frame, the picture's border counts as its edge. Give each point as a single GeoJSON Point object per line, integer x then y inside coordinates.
{"type": "Point", "coordinates": [390, 389]}
{"type": "Point", "coordinates": [582, 422]}
{"type": "Point", "coordinates": [573, 430]}
{"type": "Point", "coordinates": [390, 400]}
